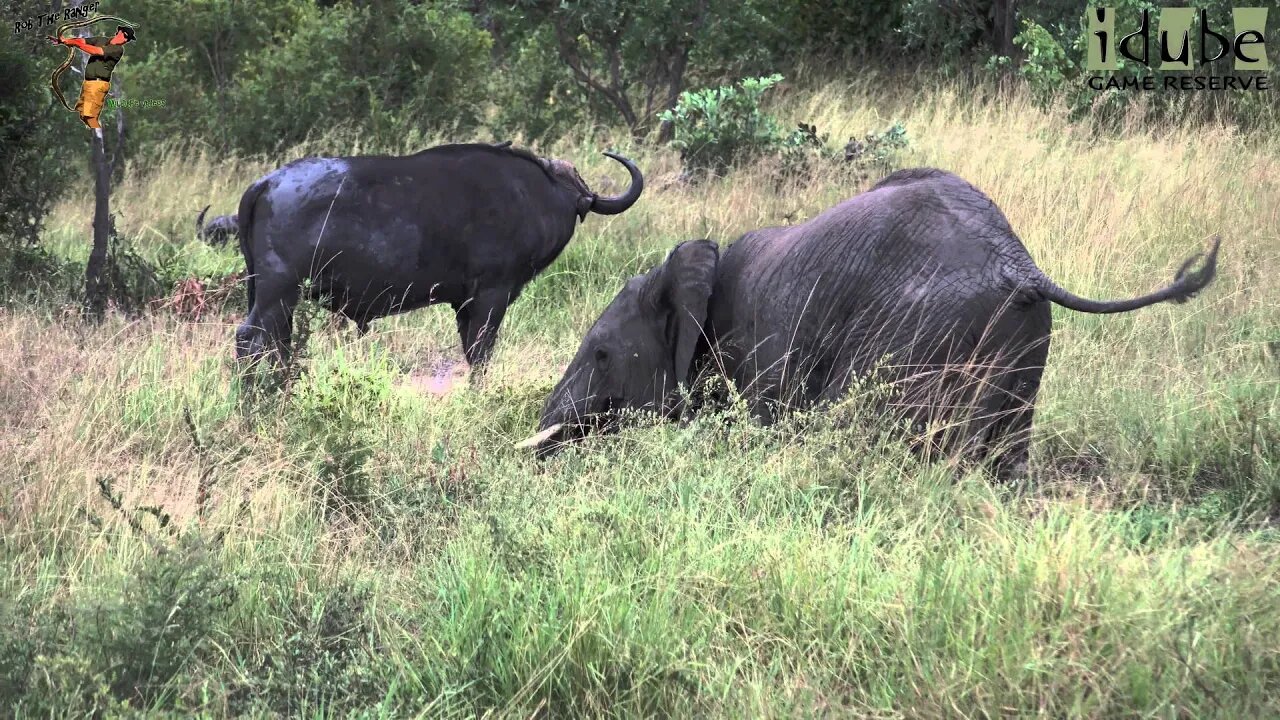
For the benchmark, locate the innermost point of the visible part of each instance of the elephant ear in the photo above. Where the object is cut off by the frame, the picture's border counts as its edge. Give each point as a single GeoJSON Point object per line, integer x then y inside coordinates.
{"type": "Point", "coordinates": [679, 291]}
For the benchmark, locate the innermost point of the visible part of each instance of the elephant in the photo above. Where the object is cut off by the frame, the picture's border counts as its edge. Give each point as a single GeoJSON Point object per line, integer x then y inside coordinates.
{"type": "Point", "coordinates": [920, 281]}
{"type": "Point", "coordinates": [465, 224]}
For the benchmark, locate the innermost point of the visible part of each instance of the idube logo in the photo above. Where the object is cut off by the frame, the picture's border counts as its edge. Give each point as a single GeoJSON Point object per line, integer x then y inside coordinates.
{"type": "Point", "coordinates": [1244, 45]}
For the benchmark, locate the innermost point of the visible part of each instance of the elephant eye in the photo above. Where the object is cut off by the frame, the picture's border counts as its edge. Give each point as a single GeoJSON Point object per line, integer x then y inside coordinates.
{"type": "Point", "coordinates": [602, 357]}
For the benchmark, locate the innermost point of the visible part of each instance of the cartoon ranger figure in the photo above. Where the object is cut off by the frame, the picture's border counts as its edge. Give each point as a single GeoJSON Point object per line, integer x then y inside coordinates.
{"type": "Point", "coordinates": [104, 53]}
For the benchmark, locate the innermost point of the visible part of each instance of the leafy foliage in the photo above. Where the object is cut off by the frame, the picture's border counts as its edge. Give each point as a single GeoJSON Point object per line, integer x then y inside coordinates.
{"type": "Point", "coordinates": [534, 94]}
{"type": "Point", "coordinates": [717, 127]}
{"type": "Point", "coordinates": [1046, 65]}
{"type": "Point", "coordinates": [951, 32]}
{"type": "Point", "coordinates": [861, 28]}
{"type": "Point", "coordinates": [634, 58]}
{"type": "Point", "coordinates": [325, 658]}
{"type": "Point", "coordinates": [31, 275]}
{"type": "Point", "coordinates": [31, 156]}
{"type": "Point", "coordinates": [263, 76]}
{"type": "Point", "coordinates": [335, 412]}
{"type": "Point", "coordinates": [410, 65]}
{"type": "Point", "coordinates": [878, 153]}
{"type": "Point", "coordinates": [1053, 43]}
{"type": "Point", "coordinates": [125, 646]}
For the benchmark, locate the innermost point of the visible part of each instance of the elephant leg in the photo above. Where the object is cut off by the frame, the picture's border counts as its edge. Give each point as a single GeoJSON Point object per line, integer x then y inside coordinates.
{"type": "Point", "coordinates": [981, 407]}
{"type": "Point", "coordinates": [478, 322]}
{"type": "Point", "coordinates": [779, 379]}
{"type": "Point", "coordinates": [936, 394]}
{"type": "Point", "coordinates": [1026, 334]}
{"type": "Point", "coordinates": [269, 325]}
{"type": "Point", "coordinates": [248, 338]}
{"type": "Point", "coordinates": [944, 405]}
{"type": "Point", "coordinates": [1014, 431]}
{"type": "Point", "coordinates": [1011, 434]}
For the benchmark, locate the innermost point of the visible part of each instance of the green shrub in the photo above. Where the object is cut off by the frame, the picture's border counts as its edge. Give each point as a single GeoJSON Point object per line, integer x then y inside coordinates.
{"type": "Point", "coordinates": [534, 94]}
{"type": "Point", "coordinates": [124, 648]}
{"type": "Point", "coordinates": [878, 153]}
{"type": "Point", "coordinates": [949, 35]}
{"type": "Point", "coordinates": [718, 127]}
{"type": "Point", "coordinates": [410, 67]}
{"type": "Point", "coordinates": [1054, 41]}
{"type": "Point", "coordinates": [861, 28]}
{"type": "Point", "coordinates": [324, 659]}
{"type": "Point", "coordinates": [31, 274]}
{"type": "Point", "coordinates": [335, 415]}
{"type": "Point", "coordinates": [1046, 66]}
{"type": "Point", "coordinates": [804, 148]}
{"type": "Point", "coordinates": [34, 153]}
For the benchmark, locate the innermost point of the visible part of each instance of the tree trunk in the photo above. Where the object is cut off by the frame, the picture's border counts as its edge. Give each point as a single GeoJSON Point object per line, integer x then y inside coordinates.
{"type": "Point", "coordinates": [117, 152]}
{"type": "Point", "coordinates": [675, 85]}
{"type": "Point", "coordinates": [1004, 27]}
{"type": "Point", "coordinates": [118, 147]}
{"type": "Point", "coordinates": [95, 295]}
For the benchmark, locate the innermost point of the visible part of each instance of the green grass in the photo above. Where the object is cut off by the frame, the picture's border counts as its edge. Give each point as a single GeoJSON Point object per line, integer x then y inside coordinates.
{"type": "Point", "coordinates": [361, 546]}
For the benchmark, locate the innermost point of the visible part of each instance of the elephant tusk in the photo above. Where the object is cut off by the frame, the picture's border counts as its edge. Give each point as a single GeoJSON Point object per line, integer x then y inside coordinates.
{"type": "Point", "coordinates": [534, 441]}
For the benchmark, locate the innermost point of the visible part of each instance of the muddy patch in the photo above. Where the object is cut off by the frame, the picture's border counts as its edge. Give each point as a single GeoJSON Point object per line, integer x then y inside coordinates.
{"type": "Point", "coordinates": [441, 378]}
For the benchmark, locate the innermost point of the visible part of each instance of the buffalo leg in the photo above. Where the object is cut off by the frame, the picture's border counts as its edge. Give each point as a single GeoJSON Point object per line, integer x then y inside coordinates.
{"type": "Point", "coordinates": [269, 323]}
{"type": "Point", "coordinates": [478, 323]}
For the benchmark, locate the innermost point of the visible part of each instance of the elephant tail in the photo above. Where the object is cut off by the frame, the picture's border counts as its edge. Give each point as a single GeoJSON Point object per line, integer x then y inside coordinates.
{"type": "Point", "coordinates": [245, 227]}
{"type": "Point", "coordinates": [1185, 285]}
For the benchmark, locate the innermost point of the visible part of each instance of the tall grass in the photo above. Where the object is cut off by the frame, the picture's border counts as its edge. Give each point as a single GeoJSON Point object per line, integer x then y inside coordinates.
{"type": "Point", "coordinates": [358, 544]}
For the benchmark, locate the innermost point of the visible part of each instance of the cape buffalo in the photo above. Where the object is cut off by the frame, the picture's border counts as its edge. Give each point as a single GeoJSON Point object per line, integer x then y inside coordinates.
{"type": "Point", "coordinates": [218, 231]}
{"type": "Point", "coordinates": [468, 225]}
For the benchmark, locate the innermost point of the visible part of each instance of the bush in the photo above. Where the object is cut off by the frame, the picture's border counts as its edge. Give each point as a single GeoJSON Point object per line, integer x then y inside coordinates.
{"type": "Point", "coordinates": [718, 127]}
{"type": "Point", "coordinates": [878, 153]}
{"type": "Point", "coordinates": [259, 77]}
{"type": "Point", "coordinates": [192, 60]}
{"type": "Point", "coordinates": [91, 654]}
{"type": "Point", "coordinates": [410, 67]}
{"type": "Point", "coordinates": [335, 413]}
{"type": "Point", "coordinates": [1053, 44]}
{"type": "Point", "coordinates": [1046, 66]}
{"type": "Point", "coordinates": [33, 152]}
{"type": "Point", "coordinates": [30, 274]}
{"type": "Point", "coordinates": [325, 660]}
{"type": "Point", "coordinates": [535, 95]}
{"type": "Point", "coordinates": [867, 29]}
{"type": "Point", "coordinates": [949, 35]}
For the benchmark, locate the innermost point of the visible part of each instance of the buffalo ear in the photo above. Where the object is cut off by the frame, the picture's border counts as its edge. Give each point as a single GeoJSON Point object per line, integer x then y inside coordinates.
{"type": "Point", "coordinates": [680, 288]}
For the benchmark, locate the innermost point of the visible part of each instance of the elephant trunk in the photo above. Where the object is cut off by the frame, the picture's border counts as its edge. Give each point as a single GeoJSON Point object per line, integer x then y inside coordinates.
{"type": "Point", "coordinates": [604, 205]}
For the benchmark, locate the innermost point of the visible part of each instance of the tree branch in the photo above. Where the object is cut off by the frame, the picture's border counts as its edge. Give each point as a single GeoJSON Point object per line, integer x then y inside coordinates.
{"type": "Point", "coordinates": [569, 53]}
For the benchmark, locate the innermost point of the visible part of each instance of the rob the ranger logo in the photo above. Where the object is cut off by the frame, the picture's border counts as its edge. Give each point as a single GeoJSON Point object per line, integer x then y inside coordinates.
{"type": "Point", "coordinates": [1245, 44]}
